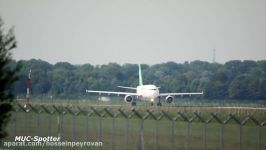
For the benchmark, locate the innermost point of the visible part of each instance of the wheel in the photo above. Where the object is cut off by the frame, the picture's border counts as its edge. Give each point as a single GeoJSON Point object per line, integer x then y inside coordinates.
{"type": "Point", "coordinates": [133, 103]}
{"type": "Point", "coordinates": [159, 104]}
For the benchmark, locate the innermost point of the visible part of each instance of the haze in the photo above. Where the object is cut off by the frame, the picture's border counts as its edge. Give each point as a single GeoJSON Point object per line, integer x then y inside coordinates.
{"type": "Point", "coordinates": [137, 31]}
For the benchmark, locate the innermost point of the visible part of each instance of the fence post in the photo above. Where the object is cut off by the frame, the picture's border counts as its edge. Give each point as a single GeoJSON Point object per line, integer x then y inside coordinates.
{"type": "Point", "coordinates": [25, 118]}
{"type": "Point", "coordinates": [187, 133]}
{"type": "Point", "coordinates": [259, 135]}
{"type": "Point", "coordinates": [73, 127]}
{"type": "Point", "coordinates": [127, 120]}
{"type": "Point", "coordinates": [258, 131]}
{"type": "Point", "coordinates": [172, 129]}
{"type": "Point", "coordinates": [141, 136]}
{"type": "Point", "coordinates": [26, 123]}
{"type": "Point", "coordinates": [172, 134]}
{"type": "Point", "coordinates": [240, 130]}
{"type": "Point", "coordinates": [73, 122]}
{"type": "Point", "coordinates": [204, 145]}
{"type": "Point", "coordinates": [49, 118]}
{"type": "Point", "coordinates": [156, 127]}
{"type": "Point", "coordinates": [87, 115]}
{"type": "Point", "coordinates": [60, 119]}
{"type": "Point", "coordinates": [156, 134]}
{"type": "Point", "coordinates": [214, 115]}
{"type": "Point", "coordinates": [112, 128]}
{"type": "Point", "coordinates": [126, 126]}
{"type": "Point", "coordinates": [207, 122]}
{"type": "Point", "coordinates": [37, 112]}
{"type": "Point", "coordinates": [222, 137]}
{"type": "Point", "coordinates": [100, 124]}
{"type": "Point", "coordinates": [240, 136]}
{"type": "Point", "coordinates": [204, 129]}
{"type": "Point", "coordinates": [87, 127]}
{"type": "Point", "coordinates": [15, 122]}
{"type": "Point", "coordinates": [49, 123]}
{"type": "Point", "coordinates": [38, 123]}
{"type": "Point", "coordinates": [258, 138]}
{"type": "Point", "coordinates": [185, 118]}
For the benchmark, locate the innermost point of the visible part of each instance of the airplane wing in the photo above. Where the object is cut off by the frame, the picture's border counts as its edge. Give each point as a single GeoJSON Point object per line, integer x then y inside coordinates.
{"type": "Point", "coordinates": [125, 87]}
{"type": "Point", "coordinates": [173, 94]}
{"type": "Point", "coordinates": [111, 92]}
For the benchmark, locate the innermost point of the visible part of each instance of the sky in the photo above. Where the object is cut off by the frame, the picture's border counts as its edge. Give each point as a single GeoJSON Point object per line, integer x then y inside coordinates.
{"type": "Point", "coordinates": [137, 31]}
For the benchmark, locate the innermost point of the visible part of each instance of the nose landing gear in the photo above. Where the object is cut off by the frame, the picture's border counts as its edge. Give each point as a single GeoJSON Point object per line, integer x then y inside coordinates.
{"type": "Point", "coordinates": [159, 102]}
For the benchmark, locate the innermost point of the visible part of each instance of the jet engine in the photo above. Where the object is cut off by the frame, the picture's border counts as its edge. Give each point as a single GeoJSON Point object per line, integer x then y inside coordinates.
{"type": "Point", "coordinates": [128, 98]}
{"type": "Point", "coordinates": [169, 99]}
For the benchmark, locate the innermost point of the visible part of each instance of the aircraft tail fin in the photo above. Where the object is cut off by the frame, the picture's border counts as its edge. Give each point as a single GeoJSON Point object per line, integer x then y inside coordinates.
{"type": "Point", "coordinates": [140, 76]}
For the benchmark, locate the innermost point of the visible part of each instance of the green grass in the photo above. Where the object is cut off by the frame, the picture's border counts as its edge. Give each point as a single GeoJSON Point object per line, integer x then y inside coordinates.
{"type": "Point", "coordinates": [84, 128]}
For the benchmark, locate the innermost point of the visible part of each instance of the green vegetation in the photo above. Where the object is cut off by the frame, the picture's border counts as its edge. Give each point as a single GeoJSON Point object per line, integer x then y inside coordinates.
{"type": "Point", "coordinates": [8, 76]}
{"type": "Point", "coordinates": [243, 80]}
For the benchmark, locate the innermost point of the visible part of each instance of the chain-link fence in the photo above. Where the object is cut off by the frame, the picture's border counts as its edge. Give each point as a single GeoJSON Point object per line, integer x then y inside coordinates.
{"type": "Point", "coordinates": [122, 128]}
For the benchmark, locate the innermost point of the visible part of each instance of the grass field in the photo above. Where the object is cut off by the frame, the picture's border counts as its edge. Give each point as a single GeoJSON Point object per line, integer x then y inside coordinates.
{"type": "Point", "coordinates": [121, 133]}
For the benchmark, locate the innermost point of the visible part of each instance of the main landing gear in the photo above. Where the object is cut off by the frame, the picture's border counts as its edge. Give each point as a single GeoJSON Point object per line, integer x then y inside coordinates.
{"type": "Point", "coordinates": [158, 103]}
{"type": "Point", "coordinates": [133, 103]}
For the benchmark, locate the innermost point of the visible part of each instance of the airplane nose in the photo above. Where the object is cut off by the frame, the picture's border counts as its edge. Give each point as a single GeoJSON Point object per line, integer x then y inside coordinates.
{"type": "Point", "coordinates": [154, 94]}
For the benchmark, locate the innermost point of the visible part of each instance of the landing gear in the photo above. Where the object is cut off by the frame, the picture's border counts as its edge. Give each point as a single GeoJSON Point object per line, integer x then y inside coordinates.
{"type": "Point", "coordinates": [151, 103]}
{"type": "Point", "coordinates": [159, 104]}
{"type": "Point", "coordinates": [133, 103]}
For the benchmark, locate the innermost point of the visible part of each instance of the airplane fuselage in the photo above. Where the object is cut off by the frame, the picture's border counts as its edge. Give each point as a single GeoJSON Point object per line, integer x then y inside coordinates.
{"type": "Point", "coordinates": [150, 92]}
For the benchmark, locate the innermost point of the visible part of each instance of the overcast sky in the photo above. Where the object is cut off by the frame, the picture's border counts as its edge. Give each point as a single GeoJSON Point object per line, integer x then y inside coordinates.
{"type": "Point", "coordinates": [137, 31]}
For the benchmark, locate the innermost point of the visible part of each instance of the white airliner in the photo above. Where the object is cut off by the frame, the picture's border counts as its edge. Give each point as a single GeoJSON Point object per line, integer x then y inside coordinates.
{"type": "Point", "coordinates": [144, 92]}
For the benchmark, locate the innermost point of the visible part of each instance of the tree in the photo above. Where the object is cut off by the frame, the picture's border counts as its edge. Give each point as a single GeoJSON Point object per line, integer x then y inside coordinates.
{"type": "Point", "coordinates": [237, 89]}
{"type": "Point", "coordinates": [7, 76]}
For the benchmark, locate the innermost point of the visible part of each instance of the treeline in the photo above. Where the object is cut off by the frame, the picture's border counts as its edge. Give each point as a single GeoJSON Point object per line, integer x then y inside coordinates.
{"type": "Point", "coordinates": [244, 80]}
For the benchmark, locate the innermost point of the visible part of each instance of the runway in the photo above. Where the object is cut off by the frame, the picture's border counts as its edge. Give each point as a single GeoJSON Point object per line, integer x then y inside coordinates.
{"type": "Point", "coordinates": [169, 106]}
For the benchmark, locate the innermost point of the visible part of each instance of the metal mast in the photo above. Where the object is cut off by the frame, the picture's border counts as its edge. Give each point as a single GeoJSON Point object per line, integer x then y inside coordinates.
{"type": "Point", "coordinates": [28, 91]}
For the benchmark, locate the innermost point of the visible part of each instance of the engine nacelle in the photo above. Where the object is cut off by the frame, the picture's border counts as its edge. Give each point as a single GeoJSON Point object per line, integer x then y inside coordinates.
{"type": "Point", "coordinates": [128, 98]}
{"type": "Point", "coordinates": [169, 99]}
